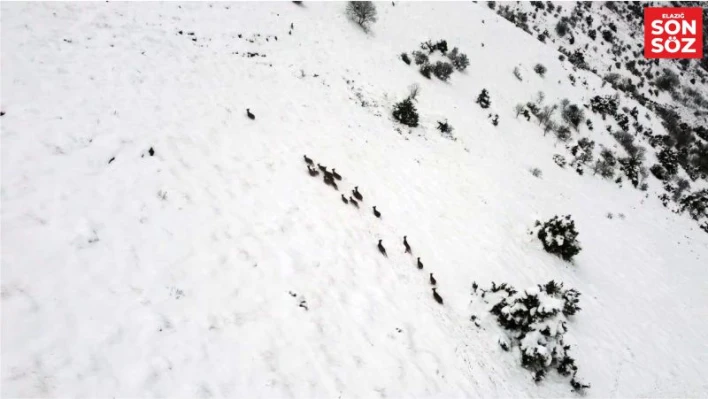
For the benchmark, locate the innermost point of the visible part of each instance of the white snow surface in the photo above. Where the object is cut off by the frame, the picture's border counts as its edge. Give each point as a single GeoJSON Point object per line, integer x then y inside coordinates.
{"type": "Point", "coordinates": [171, 275]}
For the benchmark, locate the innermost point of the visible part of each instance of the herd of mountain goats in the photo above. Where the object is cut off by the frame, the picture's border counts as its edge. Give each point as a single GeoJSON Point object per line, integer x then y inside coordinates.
{"type": "Point", "coordinates": [331, 178]}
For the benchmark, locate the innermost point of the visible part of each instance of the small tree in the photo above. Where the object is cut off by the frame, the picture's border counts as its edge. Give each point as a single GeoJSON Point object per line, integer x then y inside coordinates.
{"type": "Point", "coordinates": [406, 58]}
{"type": "Point", "coordinates": [362, 12]}
{"type": "Point", "coordinates": [483, 99]}
{"type": "Point", "coordinates": [545, 115]}
{"type": "Point", "coordinates": [406, 113]}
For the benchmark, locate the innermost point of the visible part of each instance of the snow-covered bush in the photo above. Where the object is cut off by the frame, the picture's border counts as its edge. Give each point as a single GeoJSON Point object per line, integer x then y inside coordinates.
{"type": "Point", "coordinates": [406, 113]}
{"type": "Point", "coordinates": [605, 165]}
{"type": "Point", "coordinates": [582, 152]}
{"type": "Point", "coordinates": [668, 157]}
{"type": "Point", "coordinates": [483, 99]}
{"type": "Point", "coordinates": [633, 168]}
{"type": "Point", "coordinates": [442, 70]}
{"type": "Point", "coordinates": [362, 12]}
{"type": "Point", "coordinates": [459, 60]}
{"type": "Point", "coordinates": [536, 172]}
{"type": "Point", "coordinates": [540, 69]}
{"type": "Point", "coordinates": [696, 204]}
{"type": "Point", "coordinates": [559, 237]}
{"type": "Point", "coordinates": [432, 47]}
{"type": "Point", "coordinates": [535, 321]}
{"type": "Point", "coordinates": [606, 105]}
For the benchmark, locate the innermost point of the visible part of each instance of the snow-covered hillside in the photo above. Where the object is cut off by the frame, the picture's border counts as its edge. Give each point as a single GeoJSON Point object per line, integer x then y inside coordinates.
{"type": "Point", "coordinates": [158, 242]}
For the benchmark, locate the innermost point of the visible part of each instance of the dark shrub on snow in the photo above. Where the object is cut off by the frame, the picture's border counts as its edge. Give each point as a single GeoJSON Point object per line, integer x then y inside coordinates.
{"type": "Point", "coordinates": [420, 58]}
{"type": "Point", "coordinates": [668, 81]}
{"type": "Point", "coordinates": [659, 171]}
{"type": "Point", "coordinates": [582, 152]}
{"type": "Point", "coordinates": [632, 167]}
{"type": "Point", "coordinates": [445, 127]}
{"type": "Point", "coordinates": [459, 60]}
{"type": "Point", "coordinates": [578, 59]}
{"type": "Point", "coordinates": [483, 99]}
{"type": "Point", "coordinates": [572, 114]}
{"type": "Point", "coordinates": [432, 47]}
{"type": "Point", "coordinates": [443, 70]}
{"type": "Point", "coordinates": [559, 237]}
{"type": "Point", "coordinates": [406, 58]}
{"type": "Point", "coordinates": [562, 27]}
{"type": "Point", "coordinates": [668, 157]}
{"type": "Point", "coordinates": [540, 69]}
{"type": "Point", "coordinates": [406, 113]}
{"type": "Point", "coordinates": [696, 204]}
{"type": "Point", "coordinates": [626, 140]}
{"type": "Point", "coordinates": [605, 165]}
{"type": "Point", "coordinates": [622, 121]}
{"type": "Point", "coordinates": [426, 70]}
{"type": "Point", "coordinates": [606, 105]}
{"type": "Point", "coordinates": [563, 133]}
{"type": "Point", "coordinates": [441, 46]}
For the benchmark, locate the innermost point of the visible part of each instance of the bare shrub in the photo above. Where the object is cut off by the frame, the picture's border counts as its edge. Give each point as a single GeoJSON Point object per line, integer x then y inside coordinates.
{"type": "Point", "coordinates": [362, 12]}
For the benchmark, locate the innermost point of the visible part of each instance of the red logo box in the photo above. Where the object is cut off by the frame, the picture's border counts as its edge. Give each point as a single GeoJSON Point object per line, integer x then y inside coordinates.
{"type": "Point", "coordinates": [673, 32]}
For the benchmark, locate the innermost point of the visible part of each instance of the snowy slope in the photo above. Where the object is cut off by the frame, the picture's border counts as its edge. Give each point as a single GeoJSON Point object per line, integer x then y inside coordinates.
{"type": "Point", "coordinates": [181, 274]}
